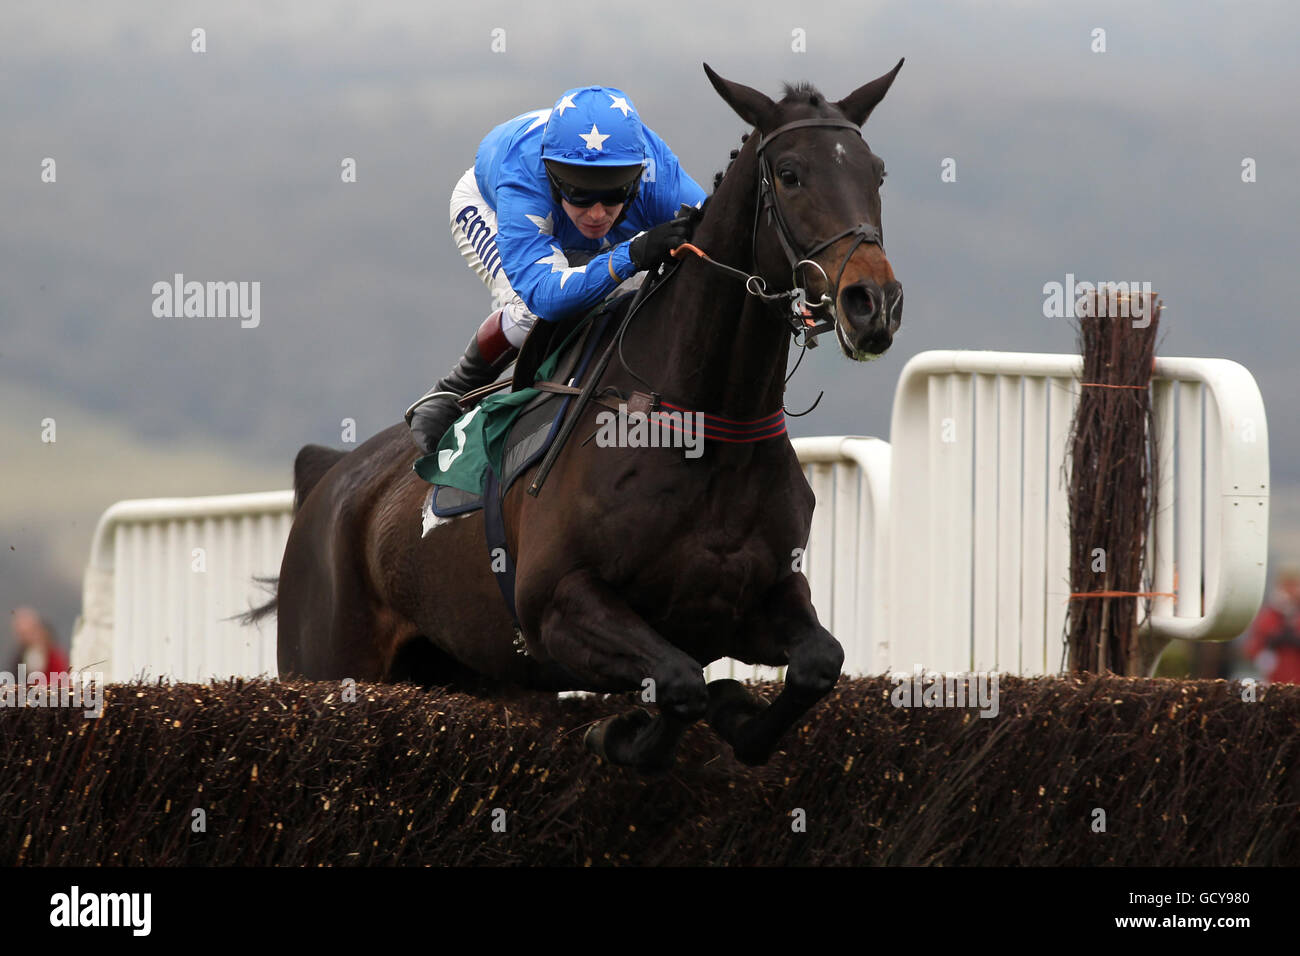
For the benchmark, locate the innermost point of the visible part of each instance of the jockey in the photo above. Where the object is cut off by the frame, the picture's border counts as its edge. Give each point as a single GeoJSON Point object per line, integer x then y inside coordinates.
{"type": "Point", "coordinates": [561, 206]}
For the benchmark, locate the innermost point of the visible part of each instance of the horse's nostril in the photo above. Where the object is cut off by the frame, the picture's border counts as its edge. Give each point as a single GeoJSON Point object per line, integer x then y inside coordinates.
{"type": "Point", "coordinates": [859, 302]}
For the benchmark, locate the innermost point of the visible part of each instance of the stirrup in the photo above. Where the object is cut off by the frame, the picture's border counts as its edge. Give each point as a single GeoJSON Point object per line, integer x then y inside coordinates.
{"type": "Point", "coordinates": [425, 399]}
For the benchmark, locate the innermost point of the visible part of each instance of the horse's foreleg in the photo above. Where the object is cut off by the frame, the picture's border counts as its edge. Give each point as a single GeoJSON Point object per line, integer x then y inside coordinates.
{"type": "Point", "coordinates": [591, 632]}
{"type": "Point", "coordinates": [788, 625]}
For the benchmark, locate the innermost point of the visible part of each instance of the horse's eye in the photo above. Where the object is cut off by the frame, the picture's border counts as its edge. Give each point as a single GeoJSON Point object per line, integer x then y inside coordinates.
{"type": "Point", "coordinates": [788, 177]}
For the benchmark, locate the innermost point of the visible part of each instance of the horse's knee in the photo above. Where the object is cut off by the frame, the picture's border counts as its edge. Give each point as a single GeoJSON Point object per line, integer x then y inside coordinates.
{"type": "Point", "coordinates": [815, 664]}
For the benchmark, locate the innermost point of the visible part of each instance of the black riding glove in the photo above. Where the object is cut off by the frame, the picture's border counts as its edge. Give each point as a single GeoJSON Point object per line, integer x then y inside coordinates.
{"type": "Point", "coordinates": [654, 247]}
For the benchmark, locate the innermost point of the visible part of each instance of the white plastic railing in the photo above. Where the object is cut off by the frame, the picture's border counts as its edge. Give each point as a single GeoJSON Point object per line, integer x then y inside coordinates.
{"type": "Point", "coordinates": [979, 543]}
{"type": "Point", "coordinates": [1213, 498]}
{"type": "Point", "coordinates": [164, 576]}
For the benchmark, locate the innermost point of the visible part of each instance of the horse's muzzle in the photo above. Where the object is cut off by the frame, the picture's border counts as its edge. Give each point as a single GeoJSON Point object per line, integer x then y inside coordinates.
{"type": "Point", "coordinates": [870, 314]}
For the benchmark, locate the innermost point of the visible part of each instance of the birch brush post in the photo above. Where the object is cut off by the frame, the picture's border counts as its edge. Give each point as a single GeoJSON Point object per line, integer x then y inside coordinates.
{"type": "Point", "coordinates": [1112, 481]}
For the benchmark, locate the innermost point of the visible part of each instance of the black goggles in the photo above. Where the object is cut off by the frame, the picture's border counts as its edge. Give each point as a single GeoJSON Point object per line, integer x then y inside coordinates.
{"type": "Point", "coordinates": [584, 198]}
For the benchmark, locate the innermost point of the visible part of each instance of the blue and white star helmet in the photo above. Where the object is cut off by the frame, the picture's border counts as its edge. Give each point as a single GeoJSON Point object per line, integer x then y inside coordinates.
{"type": "Point", "coordinates": [595, 132]}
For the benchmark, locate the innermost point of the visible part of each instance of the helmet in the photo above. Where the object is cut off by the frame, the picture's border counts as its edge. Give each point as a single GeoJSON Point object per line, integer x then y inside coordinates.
{"type": "Point", "coordinates": [593, 139]}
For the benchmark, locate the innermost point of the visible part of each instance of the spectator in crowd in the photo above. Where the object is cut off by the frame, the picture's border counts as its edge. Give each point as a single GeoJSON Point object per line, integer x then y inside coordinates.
{"type": "Point", "coordinates": [36, 646]}
{"type": "Point", "coordinates": [1274, 640]}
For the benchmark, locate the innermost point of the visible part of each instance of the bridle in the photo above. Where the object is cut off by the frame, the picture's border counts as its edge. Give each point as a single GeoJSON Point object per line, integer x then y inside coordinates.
{"type": "Point", "coordinates": [800, 314]}
{"type": "Point", "coordinates": [863, 231]}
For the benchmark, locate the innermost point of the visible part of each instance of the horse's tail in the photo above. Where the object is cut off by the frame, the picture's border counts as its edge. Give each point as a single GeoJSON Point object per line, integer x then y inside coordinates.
{"type": "Point", "coordinates": [309, 466]}
{"type": "Point", "coordinates": [255, 614]}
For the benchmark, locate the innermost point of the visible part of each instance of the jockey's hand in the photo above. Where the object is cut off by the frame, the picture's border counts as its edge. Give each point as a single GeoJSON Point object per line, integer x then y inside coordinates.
{"type": "Point", "coordinates": [692, 213]}
{"type": "Point", "coordinates": [654, 247]}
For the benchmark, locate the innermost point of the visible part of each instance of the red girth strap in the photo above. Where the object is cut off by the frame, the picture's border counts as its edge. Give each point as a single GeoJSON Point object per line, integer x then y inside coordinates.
{"type": "Point", "coordinates": [717, 428]}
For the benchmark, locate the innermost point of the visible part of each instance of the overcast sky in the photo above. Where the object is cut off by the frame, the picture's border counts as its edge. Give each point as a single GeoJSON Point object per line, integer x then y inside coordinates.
{"type": "Point", "coordinates": [225, 166]}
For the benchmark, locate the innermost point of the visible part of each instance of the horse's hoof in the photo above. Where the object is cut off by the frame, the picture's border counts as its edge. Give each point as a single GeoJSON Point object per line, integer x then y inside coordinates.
{"type": "Point", "coordinates": [597, 739]}
{"type": "Point", "coordinates": [730, 705]}
{"type": "Point", "coordinates": [594, 738]}
{"type": "Point", "coordinates": [731, 708]}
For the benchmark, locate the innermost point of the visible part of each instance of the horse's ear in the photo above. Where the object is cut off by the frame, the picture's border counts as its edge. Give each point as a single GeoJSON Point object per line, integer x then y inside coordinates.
{"type": "Point", "coordinates": [858, 105]}
{"type": "Point", "coordinates": [755, 108]}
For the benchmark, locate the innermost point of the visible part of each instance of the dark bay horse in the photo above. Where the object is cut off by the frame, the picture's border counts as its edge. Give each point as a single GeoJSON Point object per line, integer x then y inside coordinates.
{"type": "Point", "coordinates": [635, 566]}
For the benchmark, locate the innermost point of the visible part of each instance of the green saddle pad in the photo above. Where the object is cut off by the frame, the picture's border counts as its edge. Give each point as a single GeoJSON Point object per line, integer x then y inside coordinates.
{"type": "Point", "coordinates": [477, 440]}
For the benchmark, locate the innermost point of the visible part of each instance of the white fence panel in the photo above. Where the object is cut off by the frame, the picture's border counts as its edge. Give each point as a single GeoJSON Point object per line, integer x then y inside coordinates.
{"type": "Point", "coordinates": [165, 576]}
{"type": "Point", "coordinates": [979, 539]}
{"type": "Point", "coordinates": [1221, 484]}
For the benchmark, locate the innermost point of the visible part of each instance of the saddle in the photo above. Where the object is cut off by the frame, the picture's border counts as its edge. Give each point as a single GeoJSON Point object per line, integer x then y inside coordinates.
{"type": "Point", "coordinates": [534, 425]}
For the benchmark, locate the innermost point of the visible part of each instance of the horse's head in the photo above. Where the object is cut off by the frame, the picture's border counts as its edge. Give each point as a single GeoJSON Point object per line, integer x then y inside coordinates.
{"type": "Point", "coordinates": [819, 206]}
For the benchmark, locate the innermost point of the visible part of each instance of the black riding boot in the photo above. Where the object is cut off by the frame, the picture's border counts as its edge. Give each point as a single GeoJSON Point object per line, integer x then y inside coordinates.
{"type": "Point", "coordinates": [488, 353]}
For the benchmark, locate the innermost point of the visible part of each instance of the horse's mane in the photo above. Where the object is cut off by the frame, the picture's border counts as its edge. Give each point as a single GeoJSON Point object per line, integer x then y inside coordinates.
{"type": "Point", "coordinates": [801, 91]}
{"type": "Point", "coordinates": [717, 177]}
